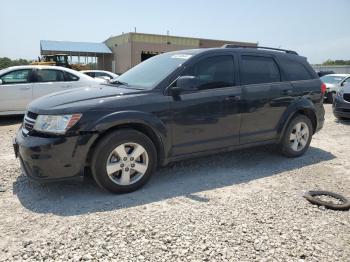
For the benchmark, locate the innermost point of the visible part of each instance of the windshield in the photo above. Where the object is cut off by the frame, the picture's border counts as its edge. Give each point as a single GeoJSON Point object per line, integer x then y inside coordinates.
{"type": "Point", "coordinates": [332, 79]}
{"type": "Point", "coordinates": [151, 72]}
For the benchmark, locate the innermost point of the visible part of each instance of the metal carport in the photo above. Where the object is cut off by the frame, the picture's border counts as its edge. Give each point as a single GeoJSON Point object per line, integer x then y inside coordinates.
{"type": "Point", "coordinates": [97, 52]}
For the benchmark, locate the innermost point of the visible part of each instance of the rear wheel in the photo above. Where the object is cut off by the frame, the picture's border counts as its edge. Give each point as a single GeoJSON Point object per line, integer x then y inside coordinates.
{"type": "Point", "coordinates": [124, 161]}
{"type": "Point", "coordinates": [297, 137]}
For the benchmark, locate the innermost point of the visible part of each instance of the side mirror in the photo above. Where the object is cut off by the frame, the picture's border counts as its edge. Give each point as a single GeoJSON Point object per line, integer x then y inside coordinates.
{"type": "Point", "coordinates": [0, 82]}
{"type": "Point", "coordinates": [184, 83]}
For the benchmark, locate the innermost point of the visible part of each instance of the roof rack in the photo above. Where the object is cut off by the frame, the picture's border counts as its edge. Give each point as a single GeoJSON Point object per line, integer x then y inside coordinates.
{"type": "Point", "coordinates": [260, 47]}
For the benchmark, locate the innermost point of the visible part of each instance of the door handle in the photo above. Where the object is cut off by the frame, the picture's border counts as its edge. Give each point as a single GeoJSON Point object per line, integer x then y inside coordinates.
{"type": "Point", "coordinates": [232, 98]}
{"type": "Point", "coordinates": [68, 86]}
{"type": "Point", "coordinates": [25, 88]}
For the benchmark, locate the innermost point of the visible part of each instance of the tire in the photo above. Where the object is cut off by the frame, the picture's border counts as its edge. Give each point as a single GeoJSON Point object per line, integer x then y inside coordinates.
{"type": "Point", "coordinates": [113, 167]}
{"type": "Point", "coordinates": [345, 205]}
{"type": "Point", "coordinates": [287, 145]}
{"type": "Point", "coordinates": [330, 97]}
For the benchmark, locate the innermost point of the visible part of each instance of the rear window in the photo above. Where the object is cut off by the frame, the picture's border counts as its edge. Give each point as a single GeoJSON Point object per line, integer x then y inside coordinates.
{"type": "Point", "coordinates": [258, 69]}
{"type": "Point", "coordinates": [296, 71]}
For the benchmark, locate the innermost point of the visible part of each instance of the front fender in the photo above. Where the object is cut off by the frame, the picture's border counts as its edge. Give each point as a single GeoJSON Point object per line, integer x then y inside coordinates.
{"type": "Point", "coordinates": [148, 120]}
{"type": "Point", "coordinates": [289, 113]}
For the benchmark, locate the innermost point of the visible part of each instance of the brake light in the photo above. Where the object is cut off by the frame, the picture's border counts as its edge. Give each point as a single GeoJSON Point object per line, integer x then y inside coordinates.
{"type": "Point", "coordinates": [323, 88]}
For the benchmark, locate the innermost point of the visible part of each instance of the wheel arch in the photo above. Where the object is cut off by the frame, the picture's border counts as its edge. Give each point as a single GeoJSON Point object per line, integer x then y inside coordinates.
{"type": "Point", "coordinates": [145, 123]}
{"type": "Point", "coordinates": [304, 107]}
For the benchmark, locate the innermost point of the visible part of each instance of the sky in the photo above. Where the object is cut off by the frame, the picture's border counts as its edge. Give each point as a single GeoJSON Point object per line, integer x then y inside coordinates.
{"type": "Point", "coordinates": [318, 30]}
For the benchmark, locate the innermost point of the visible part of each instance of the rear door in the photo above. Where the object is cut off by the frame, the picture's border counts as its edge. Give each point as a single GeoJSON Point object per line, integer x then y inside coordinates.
{"type": "Point", "coordinates": [265, 96]}
{"type": "Point", "coordinates": [49, 81]}
{"type": "Point", "coordinates": [207, 118]}
{"type": "Point", "coordinates": [16, 90]}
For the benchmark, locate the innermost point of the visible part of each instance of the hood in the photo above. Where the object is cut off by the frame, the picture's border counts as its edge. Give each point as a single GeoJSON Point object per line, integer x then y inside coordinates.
{"type": "Point", "coordinates": [82, 96]}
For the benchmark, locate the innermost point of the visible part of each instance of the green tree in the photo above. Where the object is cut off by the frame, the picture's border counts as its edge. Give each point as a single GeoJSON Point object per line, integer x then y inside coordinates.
{"type": "Point", "coordinates": [336, 62]}
{"type": "Point", "coordinates": [6, 62]}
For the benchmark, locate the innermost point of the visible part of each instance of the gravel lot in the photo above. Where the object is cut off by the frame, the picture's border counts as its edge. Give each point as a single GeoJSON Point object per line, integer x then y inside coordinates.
{"type": "Point", "coordinates": [240, 206]}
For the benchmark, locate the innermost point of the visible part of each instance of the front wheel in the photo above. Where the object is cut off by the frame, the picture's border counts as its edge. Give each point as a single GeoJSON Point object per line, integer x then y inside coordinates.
{"type": "Point", "coordinates": [297, 137]}
{"type": "Point", "coordinates": [124, 161]}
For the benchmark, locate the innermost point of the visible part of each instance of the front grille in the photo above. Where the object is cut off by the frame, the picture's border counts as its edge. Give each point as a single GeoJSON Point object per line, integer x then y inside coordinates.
{"type": "Point", "coordinates": [28, 122]}
{"type": "Point", "coordinates": [31, 115]}
{"type": "Point", "coordinates": [347, 97]}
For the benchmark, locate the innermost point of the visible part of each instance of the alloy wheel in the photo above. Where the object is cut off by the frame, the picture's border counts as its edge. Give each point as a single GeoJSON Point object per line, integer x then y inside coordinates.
{"type": "Point", "coordinates": [299, 136]}
{"type": "Point", "coordinates": [127, 164]}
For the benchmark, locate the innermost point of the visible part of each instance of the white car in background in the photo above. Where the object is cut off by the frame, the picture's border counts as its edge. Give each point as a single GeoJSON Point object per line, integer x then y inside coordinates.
{"type": "Point", "coordinates": [333, 83]}
{"type": "Point", "coordinates": [19, 85]}
{"type": "Point", "coordinates": [106, 75]}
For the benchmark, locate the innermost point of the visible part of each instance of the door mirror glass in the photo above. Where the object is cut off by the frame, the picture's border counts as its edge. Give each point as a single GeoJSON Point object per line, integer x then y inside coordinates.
{"type": "Point", "coordinates": [0, 82]}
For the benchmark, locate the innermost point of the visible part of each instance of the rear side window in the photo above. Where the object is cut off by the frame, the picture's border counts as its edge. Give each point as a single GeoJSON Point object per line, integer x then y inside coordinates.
{"type": "Point", "coordinates": [71, 77]}
{"type": "Point", "coordinates": [258, 69]}
{"type": "Point", "coordinates": [295, 71]}
{"type": "Point", "coordinates": [49, 75]}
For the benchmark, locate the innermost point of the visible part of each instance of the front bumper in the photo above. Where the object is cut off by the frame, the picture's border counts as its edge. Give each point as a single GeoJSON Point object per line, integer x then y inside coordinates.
{"type": "Point", "coordinates": [52, 158]}
{"type": "Point", "coordinates": [341, 108]}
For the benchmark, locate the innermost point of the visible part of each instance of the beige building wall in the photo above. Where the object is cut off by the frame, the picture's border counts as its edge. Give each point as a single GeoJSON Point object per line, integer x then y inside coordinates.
{"type": "Point", "coordinates": [138, 47]}
{"type": "Point", "coordinates": [127, 48]}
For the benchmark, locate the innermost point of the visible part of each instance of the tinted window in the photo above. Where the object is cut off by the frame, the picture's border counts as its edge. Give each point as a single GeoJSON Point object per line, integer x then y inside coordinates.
{"type": "Point", "coordinates": [71, 77]}
{"type": "Point", "coordinates": [259, 69]}
{"type": "Point", "coordinates": [16, 77]}
{"type": "Point", "coordinates": [49, 75]}
{"type": "Point", "coordinates": [213, 72]}
{"type": "Point", "coordinates": [296, 71]}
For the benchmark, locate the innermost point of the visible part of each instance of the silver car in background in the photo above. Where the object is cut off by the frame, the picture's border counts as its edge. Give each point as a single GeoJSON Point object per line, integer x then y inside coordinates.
{"type": "Point", "coordinates": [333, 83]}
{"type": "Point", "coordinates": [341, 103]}
{"type": "Point", "coordinates": [105, 75]}
{"type": "Point", "coordinates": [19, 85]}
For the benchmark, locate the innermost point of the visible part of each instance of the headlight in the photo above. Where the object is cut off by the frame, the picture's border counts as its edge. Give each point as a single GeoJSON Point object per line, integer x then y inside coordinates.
{"type": "Point", "coordinates": [57, 124]}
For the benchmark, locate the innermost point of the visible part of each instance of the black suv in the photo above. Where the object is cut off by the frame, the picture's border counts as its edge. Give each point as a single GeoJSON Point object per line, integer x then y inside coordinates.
{"type": "Point", "coordinates": [171, 107]}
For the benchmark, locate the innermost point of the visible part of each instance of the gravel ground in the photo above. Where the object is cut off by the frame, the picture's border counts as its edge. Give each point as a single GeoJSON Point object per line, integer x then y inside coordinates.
{"type": "Point", "coordinates": [240, 206]}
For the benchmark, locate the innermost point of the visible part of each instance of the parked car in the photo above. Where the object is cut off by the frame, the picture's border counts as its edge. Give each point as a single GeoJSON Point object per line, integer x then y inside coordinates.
{"type": "Point", "coordinates": [171, 107]}
{"type": "Point", "coordinates": [341, 104]}
{"type": "Point", "coordinates": [333, 83]}
{"type": "Point", "coordinates": [19, 85]}
{"type": "Point", "coordinates": [323, 73]}
{"type": "Point", "coordinates": [106, 75]}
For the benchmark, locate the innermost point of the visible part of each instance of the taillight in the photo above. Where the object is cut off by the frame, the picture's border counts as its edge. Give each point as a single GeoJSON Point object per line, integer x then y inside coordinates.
{"type": "Point", "coordinates": [323, 88]}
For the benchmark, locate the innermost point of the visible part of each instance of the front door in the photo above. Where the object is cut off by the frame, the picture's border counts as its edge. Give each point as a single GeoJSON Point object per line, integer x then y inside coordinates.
{"type": "Point", "coordinates": [16, 90]}
{"type": "Point", "coordinates": [208, 117]}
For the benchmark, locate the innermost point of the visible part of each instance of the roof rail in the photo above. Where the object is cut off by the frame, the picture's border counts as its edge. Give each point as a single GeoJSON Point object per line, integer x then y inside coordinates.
{"type": "Point", "coordinates": [260, 47]}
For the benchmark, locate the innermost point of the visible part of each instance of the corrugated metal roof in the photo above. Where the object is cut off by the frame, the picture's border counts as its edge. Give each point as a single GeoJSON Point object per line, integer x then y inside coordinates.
{"type": "Point", "coordinates": [82, 47]}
